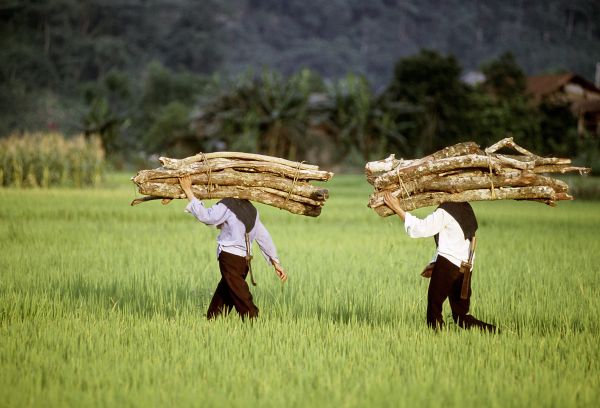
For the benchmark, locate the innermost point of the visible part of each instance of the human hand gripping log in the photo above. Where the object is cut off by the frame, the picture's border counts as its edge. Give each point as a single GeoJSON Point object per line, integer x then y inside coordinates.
{"type": "Point", "coordinates": [394, 204]}
{"type": "Point", "coordinates": [186, 185]}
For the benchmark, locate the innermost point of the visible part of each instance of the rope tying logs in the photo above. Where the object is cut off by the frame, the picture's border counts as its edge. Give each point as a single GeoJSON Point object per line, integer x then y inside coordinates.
{"type": "Point", "coordinates": [208, 174]}
{"type": "Point", "coordinates": [491, 174]}
{"type": "Point", "coordinates": [401, 183]}
{"type": "Point", "coordinates": [293, 182]}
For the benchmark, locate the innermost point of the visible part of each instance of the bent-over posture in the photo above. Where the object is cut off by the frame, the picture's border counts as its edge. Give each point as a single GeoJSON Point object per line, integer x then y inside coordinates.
{"type": "Point", "coordinates": [453, 226]}
{"type": "Point", "coordinates": [240, 226]}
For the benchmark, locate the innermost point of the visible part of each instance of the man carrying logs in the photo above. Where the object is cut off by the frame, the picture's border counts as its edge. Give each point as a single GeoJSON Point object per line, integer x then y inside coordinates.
{"type": "Point", "coordinates": [453, 227]}
{"type": "Point", "coordinates": [451, 178]}
{"type": "Point", "coordinates": [240, 226]}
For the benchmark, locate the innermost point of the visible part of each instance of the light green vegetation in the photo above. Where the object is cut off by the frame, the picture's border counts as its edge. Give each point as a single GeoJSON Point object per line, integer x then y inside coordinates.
{"type": "Point", "coordinates": [50, 159]}
{"type": "Point", "coordinates": [102, 304]}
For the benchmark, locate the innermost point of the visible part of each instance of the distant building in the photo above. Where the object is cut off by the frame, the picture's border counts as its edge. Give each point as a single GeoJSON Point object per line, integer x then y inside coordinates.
{"type": "Point", "coordinates": [473, 78]}
{"type": "Point", "coordinates": [582, 95]}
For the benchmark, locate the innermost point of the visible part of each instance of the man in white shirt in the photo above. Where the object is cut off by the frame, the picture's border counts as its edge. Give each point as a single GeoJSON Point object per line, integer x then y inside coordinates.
{"type": "Point", "coordinates": [240, 226]}
{"type": "Point", "coordinates": [453, 226]}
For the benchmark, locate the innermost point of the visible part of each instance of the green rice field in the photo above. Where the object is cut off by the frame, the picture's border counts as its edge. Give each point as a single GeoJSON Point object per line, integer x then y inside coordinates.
{"type": "Point", "coordinates": [103, 304]}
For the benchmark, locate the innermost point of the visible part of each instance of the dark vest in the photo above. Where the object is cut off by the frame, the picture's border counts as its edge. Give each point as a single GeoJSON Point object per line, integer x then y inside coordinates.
{"type": "Point", "coordinates": [464, 215]}
{"type": "Point", "coordinates": [243, 210]}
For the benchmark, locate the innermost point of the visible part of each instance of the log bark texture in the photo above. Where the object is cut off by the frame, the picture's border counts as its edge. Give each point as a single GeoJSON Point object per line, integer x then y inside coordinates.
{"type": "Point", "coordinates": [230, 177]}
{"type": "Point", "coordinates": [464, 172]}
{"type": "Point", "coordinates": [269, 180]}
{"type": "Point", "coordinates": [215, 165]}
{"type": "Point", "coordinates": [504, 193]}
{"type": "Point", "coordinates": [413, 171]}
{"type": "Point", "coordinates": [178, 163]}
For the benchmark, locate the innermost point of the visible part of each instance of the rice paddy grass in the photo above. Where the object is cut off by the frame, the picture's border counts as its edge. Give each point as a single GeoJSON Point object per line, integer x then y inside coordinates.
{"type": "Point", "coordinates": [103, 304]}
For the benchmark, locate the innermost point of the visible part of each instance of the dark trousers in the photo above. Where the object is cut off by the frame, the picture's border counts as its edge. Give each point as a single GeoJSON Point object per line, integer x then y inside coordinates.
{"type": "Point", "coordinates": [232, 291]}
{"type": "Point", "coordinates": [446, 282]}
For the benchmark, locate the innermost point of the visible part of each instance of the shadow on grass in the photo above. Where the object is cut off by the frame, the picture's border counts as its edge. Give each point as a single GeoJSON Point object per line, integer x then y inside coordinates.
{"type": "Point", "coordinates": [140, 299]}
{"type": "Point", "coordinates": [362, 315]}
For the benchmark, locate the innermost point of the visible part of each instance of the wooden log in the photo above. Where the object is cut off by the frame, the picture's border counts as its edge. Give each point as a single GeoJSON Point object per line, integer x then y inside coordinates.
{"type": "Point", "coordinates": [385, 165]}
{"type": "Point", "coordinates": [472, 161]}
{"type": "Point", "coordinates": [289, 196]}
{"type": "Point", "coordinates": [449, 181]}
{"type": "Point", "coordinates": [174, 190]}
{"type": "Point", "coordinates": [526, 155]}
{"type": "Point", "coordinates": [215, 165]}
{"type": "Point", "coordinates": [390, 163]}
{"type": "Point", "coordinates": [459, 149]}
{"type": "Point", "coordinates": [200, 157]}
{"type": "Point", "coordinates": [561, 168]}
{"type": "Point", "coordinates": [469, 181]}
{"type": "Point", "coordinates": [508, 142]}
{"type": "Point", "coordinates": [514, 163]}
{"type": "Point", "coordinates": [540, 161]}
{"type": "Point", "coordinates": [141, 200]}
{"type": "Point", "coordinates": [230, 177]}
{"type": "Point", "coordinates": [503, 193]}
{"type": "Point", "coordinates": [163, 190]}
{"type": "Point", "coordinates": [471, 177]}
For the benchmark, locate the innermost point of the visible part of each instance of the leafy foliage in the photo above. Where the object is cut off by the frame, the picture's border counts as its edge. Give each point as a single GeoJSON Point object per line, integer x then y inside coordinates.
{"type": "Point", "coordinates": [344, 76]}
{"type": "Point", "coordinates": [432, 82]}
{"type": "Point", "coordinates": [500, 106]}
{"type": "Point", "coordinates": [267, 114]}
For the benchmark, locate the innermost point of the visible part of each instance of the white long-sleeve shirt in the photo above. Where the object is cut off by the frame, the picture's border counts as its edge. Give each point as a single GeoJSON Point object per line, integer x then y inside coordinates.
{"type": "Point", "coordinates": [232, 238]}
{"type": "Point", "coordinates": [452, 244]}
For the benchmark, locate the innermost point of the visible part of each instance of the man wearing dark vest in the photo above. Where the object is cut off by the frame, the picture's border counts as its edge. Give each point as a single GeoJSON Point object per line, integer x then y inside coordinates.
{"type": "Point", "coordinates": [453, 226]}
{"type": "Point", "coordinates": [239, 224]}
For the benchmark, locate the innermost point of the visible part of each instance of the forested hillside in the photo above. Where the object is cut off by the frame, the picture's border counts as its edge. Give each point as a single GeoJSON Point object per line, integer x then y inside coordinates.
{"type": "Point", "coordinates": [134, 70]}
{"type": "Point", "coordinates": [49, 41]}
{"type": "Point", "coordinates": [369, 36]}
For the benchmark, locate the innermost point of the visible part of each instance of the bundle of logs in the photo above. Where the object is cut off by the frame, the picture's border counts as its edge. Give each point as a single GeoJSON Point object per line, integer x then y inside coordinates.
{"type": "Point", "coordinates": [463, 172]}
{"type": "Point", "coordinates": [269, 180]}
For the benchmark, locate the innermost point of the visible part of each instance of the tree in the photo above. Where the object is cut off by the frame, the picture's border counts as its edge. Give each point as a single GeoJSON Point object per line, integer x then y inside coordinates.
{"type": "Point", "coordinates": [361, 123]}
{"type": "Point", "coordinates": [109, 106]}
{"type": "Point", "coordinates": [558, 129]}
{"type": "Point", "coordinates": [161, 119]}
{"type": "Point", "coordinates": [269, 112]}
{"type": "Point", "coordinates": [504, 78]}
{"type": "Point", "coordinates": [501, 106]}
{"type": "Point", "coordinates": [171, 133]}
{"type": "Point", "coordinates": [431, 82]}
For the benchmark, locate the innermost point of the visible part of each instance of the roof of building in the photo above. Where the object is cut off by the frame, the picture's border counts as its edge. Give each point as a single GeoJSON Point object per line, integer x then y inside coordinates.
{"type": "Point", "coordinates": [541, 85]}
{"type": "Point", "coordinates": [587, 106]}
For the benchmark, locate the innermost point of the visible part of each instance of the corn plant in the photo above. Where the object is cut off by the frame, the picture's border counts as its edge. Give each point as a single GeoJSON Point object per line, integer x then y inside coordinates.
{"type": "Point", "coordinates": [50, 159]}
